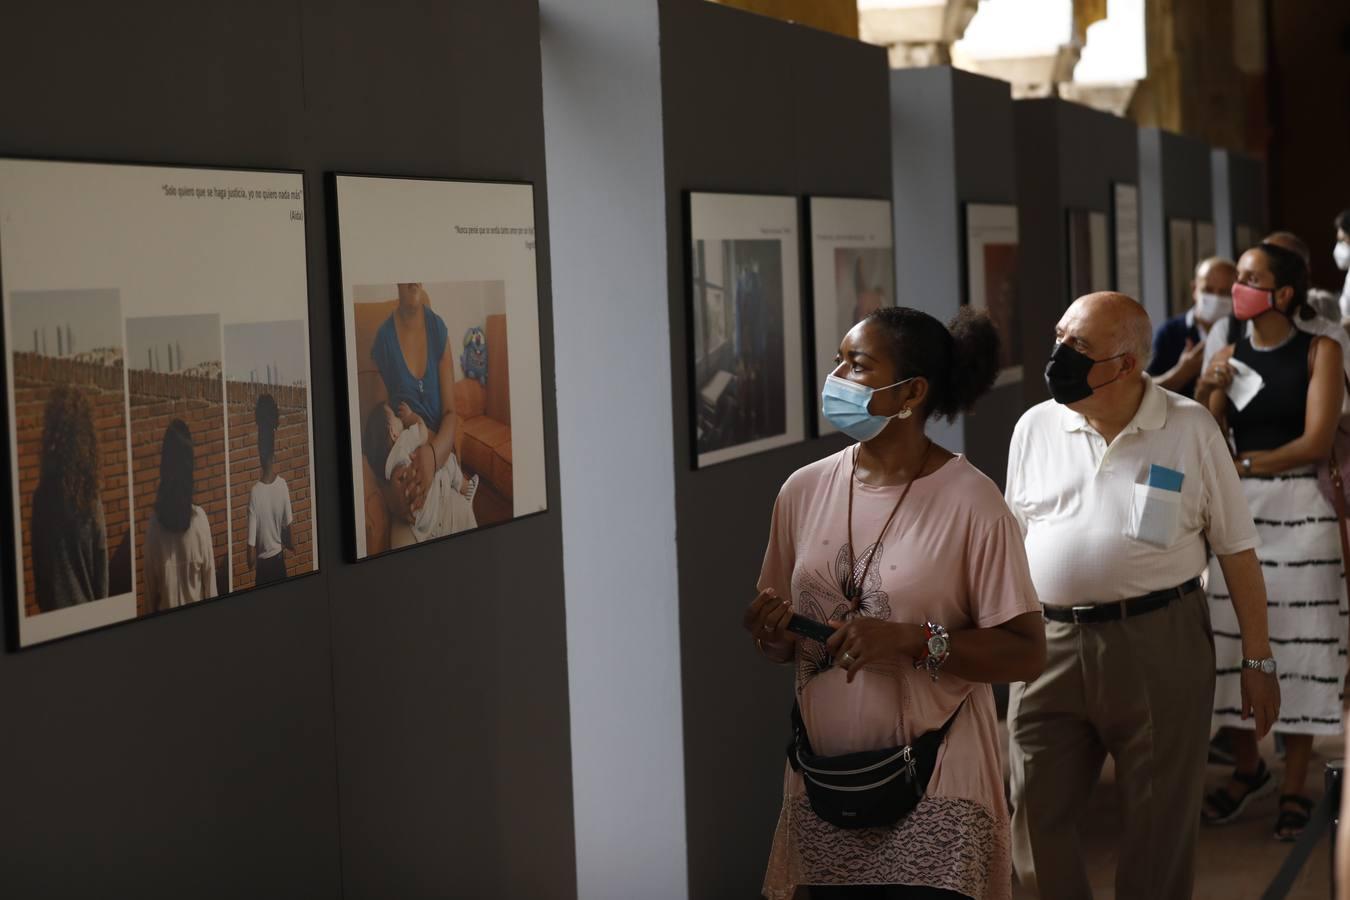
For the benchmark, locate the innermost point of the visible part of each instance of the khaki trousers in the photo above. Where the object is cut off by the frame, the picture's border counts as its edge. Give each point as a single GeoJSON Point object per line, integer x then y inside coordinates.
{"type": "Point", "coordinates": [1142, 691]}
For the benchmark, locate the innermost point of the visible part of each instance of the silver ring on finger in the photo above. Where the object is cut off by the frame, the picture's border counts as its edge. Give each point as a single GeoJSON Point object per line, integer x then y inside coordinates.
{"type": "Point", "coordinates": [848, 659]}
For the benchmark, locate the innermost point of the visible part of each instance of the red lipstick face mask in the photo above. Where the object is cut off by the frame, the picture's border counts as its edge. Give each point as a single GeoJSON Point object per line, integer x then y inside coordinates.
{"type": "Point", "coordinates": [1250, 302]}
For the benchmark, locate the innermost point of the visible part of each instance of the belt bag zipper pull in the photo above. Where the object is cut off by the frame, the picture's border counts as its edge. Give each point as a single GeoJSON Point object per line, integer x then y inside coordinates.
{"type": "Point", "coordinates": [911, 764]}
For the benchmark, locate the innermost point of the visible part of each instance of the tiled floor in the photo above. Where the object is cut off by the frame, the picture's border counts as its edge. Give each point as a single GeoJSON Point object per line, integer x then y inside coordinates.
{"type": "Point", "coordinates": [1236, 861]}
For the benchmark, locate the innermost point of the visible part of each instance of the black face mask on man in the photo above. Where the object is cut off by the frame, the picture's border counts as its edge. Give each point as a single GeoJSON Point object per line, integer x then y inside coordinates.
{"type": "Point", "coordinates": [1066, 374]}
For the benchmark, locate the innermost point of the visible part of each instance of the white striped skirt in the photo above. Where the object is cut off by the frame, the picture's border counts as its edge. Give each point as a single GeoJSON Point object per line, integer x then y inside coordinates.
{"type": "Point", "coordinates": [1300, 557]}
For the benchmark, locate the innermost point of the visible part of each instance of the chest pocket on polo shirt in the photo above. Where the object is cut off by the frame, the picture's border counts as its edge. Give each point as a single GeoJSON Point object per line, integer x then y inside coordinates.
{"type": "Point", "coordinates": [1155, 515]}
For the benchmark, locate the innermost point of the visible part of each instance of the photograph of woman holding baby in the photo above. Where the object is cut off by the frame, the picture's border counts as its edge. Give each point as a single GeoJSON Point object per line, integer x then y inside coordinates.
{"type": "Point", "coordinates": [410, 351]}
{"type": "Point", "coordinates": [430, 371]}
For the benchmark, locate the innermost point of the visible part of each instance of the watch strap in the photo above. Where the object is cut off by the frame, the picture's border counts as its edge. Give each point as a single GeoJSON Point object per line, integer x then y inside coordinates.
{"type": "Point", "coordinates": [929, 661]}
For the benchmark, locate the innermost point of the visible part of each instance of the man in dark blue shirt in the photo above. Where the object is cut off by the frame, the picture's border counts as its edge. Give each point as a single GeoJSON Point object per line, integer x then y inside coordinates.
{"type": "Point", "coordinates": [1179, 344]}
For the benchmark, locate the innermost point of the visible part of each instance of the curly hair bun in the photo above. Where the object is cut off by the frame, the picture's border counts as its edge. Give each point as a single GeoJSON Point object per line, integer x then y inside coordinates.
{"type": "Point", "coordinates": [960, 359]}
{"type": "Point", "coordinates": [975, 360]}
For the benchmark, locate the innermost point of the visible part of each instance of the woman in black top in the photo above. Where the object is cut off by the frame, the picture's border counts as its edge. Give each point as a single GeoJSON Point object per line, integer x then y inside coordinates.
{"type": "Point", "coordinates": [1280, 436]}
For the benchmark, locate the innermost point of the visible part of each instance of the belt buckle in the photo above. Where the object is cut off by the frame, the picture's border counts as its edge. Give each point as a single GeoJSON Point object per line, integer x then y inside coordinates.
{"type": "Point", "coordinates": [1075, 611]}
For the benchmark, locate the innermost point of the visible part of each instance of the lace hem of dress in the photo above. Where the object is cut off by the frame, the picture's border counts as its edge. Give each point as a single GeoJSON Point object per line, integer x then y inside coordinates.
{"type": "Point", "coordinates": [947, 843]}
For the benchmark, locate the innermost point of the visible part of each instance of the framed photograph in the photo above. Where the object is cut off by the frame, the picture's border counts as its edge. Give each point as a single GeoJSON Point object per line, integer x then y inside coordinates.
{"type": "Point", "coordinates": [1244, 239]}
{"type": "Point", "coordinates": [444, 385]}
{"type": "Point", "coordinates": [154, 461]}
{"type": "Point", "coordinates": [1205, 241]}
{"type": "Point", "coordinates": [852, 274]}
{"type": "Point", "coordinates": [1089, 254]}
{"type": "Point", "coordinates": [746, 318]}
{"type": "Point", "coordinates": [1125, 212]}
{"type": "Point", "coordinates": [1181, 262]}
{"type": "Point", "coordinates": [991, 279]}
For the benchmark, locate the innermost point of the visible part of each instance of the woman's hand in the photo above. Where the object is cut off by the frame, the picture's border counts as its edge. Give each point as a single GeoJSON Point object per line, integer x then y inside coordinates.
{"type": "Point", "coordinates": [766, 619]}
{"type": "Point", "coordinates": [861, 642]}
{"type": "Point", "coordinates": [423, 468]}
{"type": "Point", "coordinates": [1249, 464]}
{"type": "Point", "coordinates": [408, 417]}
{"type": "Point", "coordinates": [1219, 375]}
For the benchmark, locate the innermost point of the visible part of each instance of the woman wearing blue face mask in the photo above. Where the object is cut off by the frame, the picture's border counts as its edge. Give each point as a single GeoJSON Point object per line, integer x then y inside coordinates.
{"type": "Point", "coordinates": [912, 555]}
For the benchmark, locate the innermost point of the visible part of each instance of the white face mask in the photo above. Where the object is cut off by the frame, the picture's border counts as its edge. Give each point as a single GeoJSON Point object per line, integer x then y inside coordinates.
{"type": "Point", "coordinates": [1342, 255]}
{"type": "Point", "coordinates": [1213, 307]}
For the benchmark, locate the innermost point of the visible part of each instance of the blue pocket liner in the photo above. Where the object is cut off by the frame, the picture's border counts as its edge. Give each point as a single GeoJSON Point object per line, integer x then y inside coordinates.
{"type": "Point", "coordinates": [1164, 478]}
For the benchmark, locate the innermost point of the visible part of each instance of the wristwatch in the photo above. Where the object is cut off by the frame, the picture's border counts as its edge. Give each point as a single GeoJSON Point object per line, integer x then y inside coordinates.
{"type": "Point", "coordinates": [937, 648]}
{"type": "Point", "coordinates": [1265, 666]}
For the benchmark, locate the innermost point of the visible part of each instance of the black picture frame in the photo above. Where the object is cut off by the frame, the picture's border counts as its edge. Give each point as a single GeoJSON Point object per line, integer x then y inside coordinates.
{"type": "Point", "coordinates": [11, 568]}
{"type": "Point", "coordinates": [348, 448]}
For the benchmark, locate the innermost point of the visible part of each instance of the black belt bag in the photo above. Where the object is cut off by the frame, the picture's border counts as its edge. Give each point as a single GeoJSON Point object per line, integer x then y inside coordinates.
{"type": "Point", "coordinates": [874, 788]}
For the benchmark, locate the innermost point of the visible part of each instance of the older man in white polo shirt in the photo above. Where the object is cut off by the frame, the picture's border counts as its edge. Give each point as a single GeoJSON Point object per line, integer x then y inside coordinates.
{"type": "Point", "coordinates": [1118, 487]}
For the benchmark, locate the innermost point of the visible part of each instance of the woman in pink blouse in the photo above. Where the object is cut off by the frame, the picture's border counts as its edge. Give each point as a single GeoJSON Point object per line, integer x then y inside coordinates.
{"type": "Point", "coordinates": [895, 540]}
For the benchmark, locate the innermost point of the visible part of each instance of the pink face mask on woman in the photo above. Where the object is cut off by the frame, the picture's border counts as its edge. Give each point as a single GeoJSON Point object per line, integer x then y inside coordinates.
{"type": "Point", "coordinates": [1250, 302]}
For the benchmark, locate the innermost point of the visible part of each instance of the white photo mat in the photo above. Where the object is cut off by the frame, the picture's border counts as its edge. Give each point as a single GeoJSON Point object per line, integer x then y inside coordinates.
{"type": "Point", "coordinates": [1244, 239]}
{"type": "Point", "coordinates": [1089, 253]}
{"type": "Point", "coordinates": [1206, 241]}
{"type": "Point", "coordinates": [991, 279]}
{"type": "Point", "coordinates": [1181, 262]}
{"type": "Point", "coordinates": [852, 270]}
{"type": "Point", "coordinates": [765, 227]}
{"type": "Point", "coordinates": [448, 233]}
{"type": "Point", "coordinates": [1125, 210]}
{"type": "Point", "coordinates": [210, 247]}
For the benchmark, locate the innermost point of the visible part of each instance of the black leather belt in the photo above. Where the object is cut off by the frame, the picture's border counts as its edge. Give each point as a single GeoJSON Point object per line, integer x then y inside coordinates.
{"type": "Point", "coordinates": [1122, 609]}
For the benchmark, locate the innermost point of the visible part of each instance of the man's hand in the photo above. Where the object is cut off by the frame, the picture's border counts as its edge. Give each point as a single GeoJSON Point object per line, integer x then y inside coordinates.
{"type": "Point", "coordinates": [1247, 587]}
{"type": "Point", "coordinates": [1260, 699]}
{"type": "Point", "coordinates": [1192, 361]}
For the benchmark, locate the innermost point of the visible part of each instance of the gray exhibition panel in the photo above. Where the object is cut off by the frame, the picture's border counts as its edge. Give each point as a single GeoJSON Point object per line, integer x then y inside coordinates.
{"type": "Point", "coordinates": [1068, 158]}
{"type": "Point", "coordinates": [1174, 183]}
{"type": "Point", "coordinates": [396, 728]}
{"type": "Point", "coordinates": [952, 134]}
{"type": "Point", "coordinates": [750, 105]}
{"type": "Point", "coordinates": [1239, 199]}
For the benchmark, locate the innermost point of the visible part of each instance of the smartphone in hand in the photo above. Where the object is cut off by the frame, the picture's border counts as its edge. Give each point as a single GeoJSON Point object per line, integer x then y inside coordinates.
{"type": "Point", "coordinates": [817, 631]}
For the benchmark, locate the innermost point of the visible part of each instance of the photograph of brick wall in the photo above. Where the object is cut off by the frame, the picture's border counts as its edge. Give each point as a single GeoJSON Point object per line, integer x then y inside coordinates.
{"type": "Point", "coordinates": [121, 492]}
{"type": "Point", "coordinates": [271, 483]}
{"type": "Point", "coordinates": [68, 395]}
{"type": "Point", "coordinates": [175, 377]}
